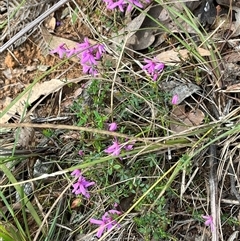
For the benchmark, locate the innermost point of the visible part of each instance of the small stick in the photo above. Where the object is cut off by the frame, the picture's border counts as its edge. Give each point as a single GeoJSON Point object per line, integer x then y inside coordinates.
{"type": "Point", "coordinates": [213, 190]}
{"type": "Point", "coordinates": [32, 24]}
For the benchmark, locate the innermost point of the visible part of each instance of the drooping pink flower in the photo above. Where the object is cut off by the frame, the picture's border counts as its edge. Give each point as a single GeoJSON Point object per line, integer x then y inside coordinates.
{"type": "Point", "coordinates": [149, 66]}
{"type": "Point", "coordinates": [106, 222]}
{"type": "Point", "coordinates": [76, 173]}
{"type": "Point", "coordinates": [128, 147]}
{"type": "Point", "coordinates": [175, 99]}
{"type": "Point", "coordinates": [60, 50]}
{"type": "Point", "coordinates": [100, 49]}
{"type": "Point", "coordinates": [70, 52]}
{"type": "Point", "coordinates": [88, 54]}
{"type": "Point", "coordinates": [209, 221]}
{"type": "Point", "coordinates": [112, 126]}
{"type": "Point", "coordinates": [108, 2]}
{"type": "Point", "coordinates": [121, 4]}
{"type": "Point", "coordinates": [83, 46]}
{"type": "Point", "coordinates": [118, 4]}
{"type": "Point", "coordinates": [89, 70]}
{"type": "Point", "coordinates": [80, 187]}
{"type": "Point", "coordinates": [114, 149]}
{"type": "Point", "coordinates": [87, 57]}
{"type": "Point", "coordinates": [153, 67]}
{"type": "Point", "coordinates": [81, 153]}
{"type": "Point", "coordinates": [159, 66]}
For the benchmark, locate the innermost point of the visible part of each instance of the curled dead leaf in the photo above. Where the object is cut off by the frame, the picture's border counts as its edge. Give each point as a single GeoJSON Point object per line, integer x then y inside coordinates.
{"type": "Point", "coordinates": [172, 57]}
{"type": "Point", "coordinates": [26, 137]}
{"type": "Point", "coordinates": [127, 33]}
{"type": "Point", "coordinates": [181, 89]}
{"type": "Point", "coordinates": [182, 119]}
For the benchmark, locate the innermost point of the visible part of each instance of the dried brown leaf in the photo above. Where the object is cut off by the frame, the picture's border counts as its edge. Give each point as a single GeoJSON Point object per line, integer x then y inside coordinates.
{"type": "Point", "coordinates": [125, 34]}
{"type": "Point", "coordinates": [233, 88]}
{"type": "Point", "coordinates": [182, 120]}
{"type": "Point", "coordinates": [26, 137]}
{"type": "Point", "coordinates": [171, 57]}
{"type": "Point", "coordinates": [38, 90]}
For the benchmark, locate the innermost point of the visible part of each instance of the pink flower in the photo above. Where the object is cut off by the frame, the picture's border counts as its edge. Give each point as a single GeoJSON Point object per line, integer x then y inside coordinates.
{"type": "Point", "coordinates": [100, 49]}
{"type": "Point", "coordinates": [81, 153]}
{"type": "Point", "coordinates": [89, 70]}
{"type": "Point", "coordinates": [175, 99]}
{"type": "Point", "coordinates": [153, 67]}
{"type": "Point", "coordinates": [150, 66]}
{"type": "Point", "coordinates": [106, 223]}
{"type": "Point", "coordinates": [88, 57]}
{"type": "Point", "coordinates": [114, 149]}
{"type": "Point", "coordinates": [209, 221]}
{"type": "Point", "coordinates": [88, 54]}
{"type": "Point", "coordinates": [128, 147]}
{"type": "Point", "coordinates": [119, 4]}
{"type": "Point", "coordinates": [83, 46]}
{"type": "Point", "coordinates": [132, 3]}
{"type": "Point", "coordinates": [76, 173]}
{"type": "Point", "coordinates": [80, 187]}
{"type": "Point", "coordinates": [159, 66]}
{"type": "Point", "coordinates": [60, 50]}
{"type": "Point", "coordinates": [108, 2]}
{"type": "Point", "coordinates": [112, 126]}
{"type": "Point", "coordinates": [70, 52]}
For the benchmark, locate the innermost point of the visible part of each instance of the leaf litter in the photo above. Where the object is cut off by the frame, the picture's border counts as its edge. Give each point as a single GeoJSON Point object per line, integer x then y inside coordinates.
{"type": "Point", "coordinates": [183, 119]}
{"type": "Point", "coordinates": [139, 34]}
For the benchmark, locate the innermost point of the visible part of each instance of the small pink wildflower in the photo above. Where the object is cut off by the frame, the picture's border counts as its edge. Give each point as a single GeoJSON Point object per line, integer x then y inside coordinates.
{"type": "Point", "coordinates": [112, 126]}
{"type": "Point", "coordinates": [80, 187]}
{"type": "Point", "coordinates": [209, 221]}
{"type": "Point", "coordinates": [175, 99]}
{"type": "Point", "coordinates": [89, 70]}
{"type": "Point", "coordinates": [153, 67]}
{"type": "Point", "coordinates": [70, 52]}
{"type": "Point", "coordinates": [159, 66]}
{"type": "Point", "coordinates": [106, 223]}
{"type": "Point", "coordinates": [60, 50]}
{"type": "Point", "coordinates": [81, 153]}
{"type": "Point", "coordinates": [114, 149]}
{"type": "Point", "coordinates": [149, 66]}
{"type": "Point", "coordinates": [132, 3]}
{"type": "Point", "coordinates": [88, 57]}
{"type": "Point", "coordinates": [100, 49]}
{"type": "Point", "coordinates": [76, 173]}
{"type": "Point", "coordinates": [83, 46]}
{"type": "Point", "coordinates": [121, 4]}
{"type": "Point", "coordinates": [128, 147]}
